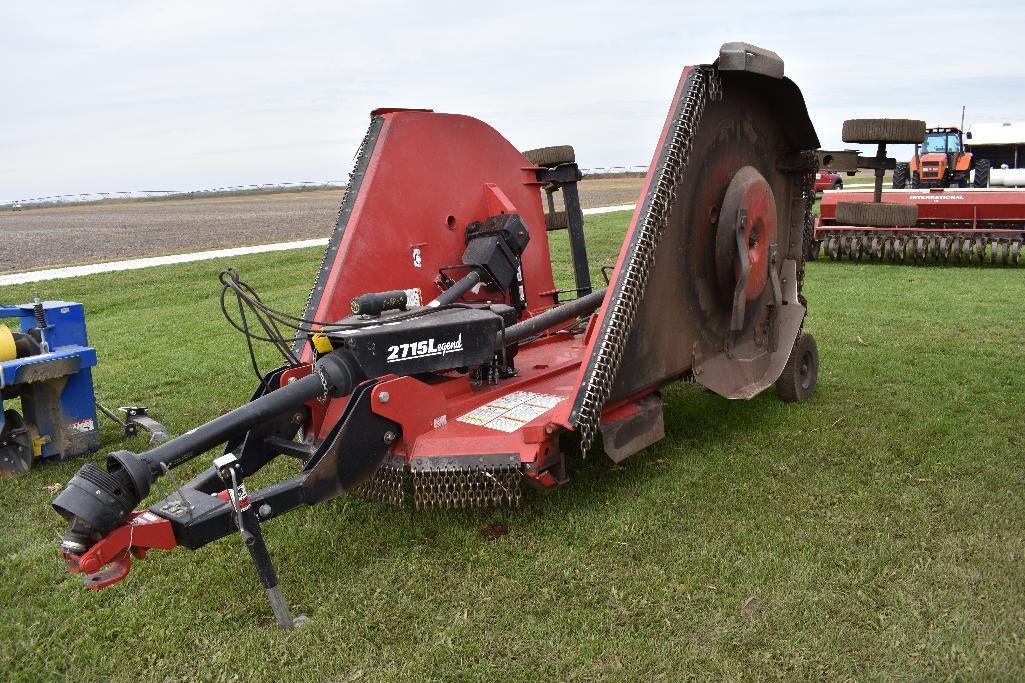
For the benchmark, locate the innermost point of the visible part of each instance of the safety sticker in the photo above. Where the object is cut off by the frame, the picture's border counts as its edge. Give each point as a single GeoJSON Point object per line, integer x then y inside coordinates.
{"type": "Point", "coordinates": [82, 426]}
{"type": "Point", "coordinates": [512, 411]}
{"type": "Point", "coordinates": [413, 297]}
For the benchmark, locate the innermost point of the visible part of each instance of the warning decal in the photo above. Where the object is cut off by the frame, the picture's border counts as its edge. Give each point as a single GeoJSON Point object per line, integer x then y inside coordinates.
{"type": "Point", "coordinates": [82, 426]}
{"type": "Point", "coordinates": [512, 411]}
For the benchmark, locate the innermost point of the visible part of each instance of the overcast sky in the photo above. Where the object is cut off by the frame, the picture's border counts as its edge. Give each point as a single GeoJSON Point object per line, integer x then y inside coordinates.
{"type": "Point", "coordinates": [109, 96]}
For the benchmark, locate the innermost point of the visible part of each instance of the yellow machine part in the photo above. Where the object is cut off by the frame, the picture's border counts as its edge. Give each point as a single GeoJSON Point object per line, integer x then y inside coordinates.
{"type": "Point", "coordinates": [7, 349]}
{"type": "Point", "coordinates": [322, 344]}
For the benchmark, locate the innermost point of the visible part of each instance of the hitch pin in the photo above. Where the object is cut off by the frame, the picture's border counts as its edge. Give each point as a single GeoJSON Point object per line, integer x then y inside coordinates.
{"type": "Point", "coordinates": [226, 466]}
{"type": "Point", "coordinates": [237, 504]}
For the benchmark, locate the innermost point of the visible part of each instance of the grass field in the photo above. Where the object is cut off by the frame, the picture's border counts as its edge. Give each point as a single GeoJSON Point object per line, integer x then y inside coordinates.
{"type": "Point", "coordinates": [874, 532]}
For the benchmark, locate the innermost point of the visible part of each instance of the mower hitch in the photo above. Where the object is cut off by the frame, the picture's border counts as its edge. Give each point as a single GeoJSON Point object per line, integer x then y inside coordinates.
{"type": "Point", "coordinates": [143, 530]}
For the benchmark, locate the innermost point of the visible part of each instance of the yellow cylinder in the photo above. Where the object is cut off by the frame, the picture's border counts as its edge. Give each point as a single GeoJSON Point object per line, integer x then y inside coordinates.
{"type": "Point", "coordinates": [7, 349]}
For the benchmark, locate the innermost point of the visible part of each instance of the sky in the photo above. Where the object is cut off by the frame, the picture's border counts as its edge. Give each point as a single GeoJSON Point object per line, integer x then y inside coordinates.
{"type": "Point", "coordinates": [117, 96]}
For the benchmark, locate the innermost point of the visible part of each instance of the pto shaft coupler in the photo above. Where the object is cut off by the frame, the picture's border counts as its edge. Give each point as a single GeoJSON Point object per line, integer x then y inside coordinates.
{"type": "Point", "coordinates": [96, 501]}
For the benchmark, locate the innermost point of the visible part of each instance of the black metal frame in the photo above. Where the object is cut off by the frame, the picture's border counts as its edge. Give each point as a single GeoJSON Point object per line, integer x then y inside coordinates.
{"type": "Point", "coordinates": [349, 455]}
{"type": "Point", "coordinates": [564, 178]}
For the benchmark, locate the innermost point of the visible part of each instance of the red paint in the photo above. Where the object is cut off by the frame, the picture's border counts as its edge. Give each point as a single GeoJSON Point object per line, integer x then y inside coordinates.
{"type": "Point", "coordinates": [561, 413]}
{"type": "Point", "coordinates": [142, 531]}
{"type": "Point", "coordinates": [986, 210]}
{"type": "Point", "coordinates": [827, 181]}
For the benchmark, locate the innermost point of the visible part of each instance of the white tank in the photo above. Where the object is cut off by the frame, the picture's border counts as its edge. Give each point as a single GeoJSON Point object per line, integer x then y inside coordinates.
{"type": "Point", "coordinates": [1007, 177]}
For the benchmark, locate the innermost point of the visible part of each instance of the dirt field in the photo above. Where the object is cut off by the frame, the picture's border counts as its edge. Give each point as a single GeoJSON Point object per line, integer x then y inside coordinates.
{"type": "Point", "coordinates": [44, 238]}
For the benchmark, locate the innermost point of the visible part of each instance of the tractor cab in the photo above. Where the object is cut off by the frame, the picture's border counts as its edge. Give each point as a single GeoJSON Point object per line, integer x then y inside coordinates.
{"type": "Point", "coordinates": [940, 160]}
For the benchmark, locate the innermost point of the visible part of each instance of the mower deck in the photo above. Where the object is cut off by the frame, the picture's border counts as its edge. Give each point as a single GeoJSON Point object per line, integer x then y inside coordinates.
{"type": "Point", "coordinates": [437, 360]}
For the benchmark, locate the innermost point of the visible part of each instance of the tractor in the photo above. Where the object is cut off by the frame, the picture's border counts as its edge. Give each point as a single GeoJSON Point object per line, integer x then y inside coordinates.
{"type": "Point", "coordinates": [941, 161]}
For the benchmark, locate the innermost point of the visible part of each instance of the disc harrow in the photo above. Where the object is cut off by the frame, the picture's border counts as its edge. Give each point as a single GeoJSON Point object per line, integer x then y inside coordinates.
{"type": "Point", "coordinates": [920, 248]}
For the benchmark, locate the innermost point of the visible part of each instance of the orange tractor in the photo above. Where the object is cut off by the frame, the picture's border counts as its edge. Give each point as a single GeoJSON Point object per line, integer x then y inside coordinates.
{"type": "Point", "coordinates": [941, 161]}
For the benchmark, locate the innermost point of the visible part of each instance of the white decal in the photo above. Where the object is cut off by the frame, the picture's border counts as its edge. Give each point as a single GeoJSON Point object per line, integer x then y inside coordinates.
{"type": "Point", "coordinates": [512, 411]}
{"type": "Point", "coordinates": [440, 421]}
{"type": "Point", "coordinates": [936, 197]}
{"type": "Point", "coordinates": [424, 349]}
{"type": "Point", "coordinates": [418, 261]}
{"type": "Point", "coordinates": [82, 426]}
{"type": "Point", "coordinates": [413, 297]}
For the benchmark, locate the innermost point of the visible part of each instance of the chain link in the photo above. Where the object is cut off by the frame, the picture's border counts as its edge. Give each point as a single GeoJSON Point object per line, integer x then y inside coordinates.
{"type": "Point", "coordinates": [449, 488]}
{"type": "Point", "coordinates": [704, 84]}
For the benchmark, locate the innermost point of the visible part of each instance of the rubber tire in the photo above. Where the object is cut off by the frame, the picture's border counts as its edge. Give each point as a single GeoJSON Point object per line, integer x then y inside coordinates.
{"type": "Point", "coordinates": [916, 180]}
{"type": "Point", "coordinates": [982, 168]}
{"type": "Point", "coordinates": [550, 157]}
{"type": "Point", "coordinates": [875, 131]}
{"type": "Point", "coordinates": [837, 184]}
{"type": "Point", "coordinates": [870, 214]}
{"type": "Point", "coordinates": [792, 386]}
{"type": "Point", "coordinates": [556, 221]}
{"type": "Point", "coordinates": [900, 175]}
{"type": "Point", "coordinates": [811, 250]}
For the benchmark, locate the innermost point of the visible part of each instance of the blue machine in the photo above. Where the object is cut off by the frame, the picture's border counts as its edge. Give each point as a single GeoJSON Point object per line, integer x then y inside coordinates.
{"type": "Point", "coordinates": [48, 365]}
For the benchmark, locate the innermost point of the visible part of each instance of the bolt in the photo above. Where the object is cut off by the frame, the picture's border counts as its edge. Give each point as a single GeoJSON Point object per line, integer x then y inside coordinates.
{"type": "Point", "coordinates": [264, 510]}
{"type": "Point", "coordinates": [297, 419]}
{"type": "Point", "coordinates": [384, 397]}
{"type": "Point", "coordinates": [389, 437]}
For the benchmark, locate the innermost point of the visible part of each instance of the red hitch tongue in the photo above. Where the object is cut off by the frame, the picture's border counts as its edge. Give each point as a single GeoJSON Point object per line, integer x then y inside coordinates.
{"type": "Point", "coordinates": [142, 531]}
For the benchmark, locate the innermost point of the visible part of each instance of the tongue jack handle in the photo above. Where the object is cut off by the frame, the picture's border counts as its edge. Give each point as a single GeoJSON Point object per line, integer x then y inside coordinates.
{"type": "Point", "coordinates": [229, 469]}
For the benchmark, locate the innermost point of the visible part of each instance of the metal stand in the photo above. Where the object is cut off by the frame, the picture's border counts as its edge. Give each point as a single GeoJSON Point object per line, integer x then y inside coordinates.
{"type": "Point", "coordinates": [230, 471]}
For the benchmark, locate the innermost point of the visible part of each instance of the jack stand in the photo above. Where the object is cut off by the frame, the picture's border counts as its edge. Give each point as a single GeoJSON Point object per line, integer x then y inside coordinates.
{"type": "Point", "coordinates": [230, 470]}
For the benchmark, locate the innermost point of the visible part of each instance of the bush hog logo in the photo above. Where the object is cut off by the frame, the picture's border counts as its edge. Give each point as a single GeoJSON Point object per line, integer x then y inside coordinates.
{"type": "Point", "coordinates": [935, 197]}
{"type": "Point", "coordinates": [423, 349]}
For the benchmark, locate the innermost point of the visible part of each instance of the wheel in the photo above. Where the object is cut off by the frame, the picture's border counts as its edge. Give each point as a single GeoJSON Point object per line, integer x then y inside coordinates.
{"type": "Point", "coordinates": [870, 214]}
{"type": "Point", "coordinates": [916, 180]}
{"type": "Point", "coordinates": [556, 221]}
{"type": "Point", "coordinates": [838, 184]}
{"type": "Point", "coordinates": [833, 248]}
{"type": "Point", "coordinates": [811, 251]}
{"type": "Point", "coordinates": [900, 175]}
{"type": "Point", "coordinates": [875, 131]}
{"type": "Point", "coordinates": [15, 445]}
{"type": "Point", "coordinates": [982, 167]}
{"type": "Point", "coordinates": [550, 157]}
{"type": "Point", "coordinates": [801, 372]}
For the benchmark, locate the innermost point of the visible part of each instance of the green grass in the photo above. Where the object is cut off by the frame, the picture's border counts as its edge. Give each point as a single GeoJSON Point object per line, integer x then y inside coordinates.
{"type": "Point", "coordinates": [873, 532]}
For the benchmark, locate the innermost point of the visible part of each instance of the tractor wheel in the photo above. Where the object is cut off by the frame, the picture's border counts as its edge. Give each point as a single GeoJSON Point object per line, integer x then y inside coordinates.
{"type": "Point", "coordinates": [900, 175]}
{"type": "Point", "coordinates": [916, 180]}
{"type": "Point", "coordinates": [550, 157]}
{"type": "Point", "coordinates": [982, 167]}
{"type": "Point", "coordinates": [801, 372]}
{"type": "Point", "coordinates": [556, 221]}
{"type": "Point", "coordinates": [875, 131]}
{"type": "Point", "coordinates": [870, 214]}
